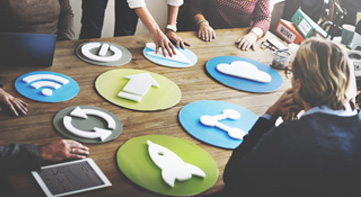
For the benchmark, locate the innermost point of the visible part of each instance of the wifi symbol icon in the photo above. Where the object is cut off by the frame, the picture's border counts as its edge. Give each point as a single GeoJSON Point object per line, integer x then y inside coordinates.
{"type": "Point", "coordinates": [46, 86]}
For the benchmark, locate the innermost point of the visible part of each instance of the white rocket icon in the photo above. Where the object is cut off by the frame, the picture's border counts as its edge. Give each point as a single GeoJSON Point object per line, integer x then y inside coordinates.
{"type": "Point", "coordinates": [172, 166]}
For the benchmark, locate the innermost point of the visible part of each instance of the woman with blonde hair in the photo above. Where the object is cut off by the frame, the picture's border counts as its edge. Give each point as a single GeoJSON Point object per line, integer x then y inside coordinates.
{"type": "Point", "coordinates": [318, 154]}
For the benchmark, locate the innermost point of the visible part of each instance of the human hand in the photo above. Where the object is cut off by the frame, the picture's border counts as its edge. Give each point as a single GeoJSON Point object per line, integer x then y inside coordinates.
{"type": "Point", "coordinates": [284, 107]}
{"type": "Point", "coordinates": [16, 105]}
{"type": "Point", "coordinates": [247, 42]}
{"type": "Point", "coordinates": [178, 41]}
{"type": "Point", "coordinates": [206, 32]}
{"type": "Point", "coordinates": [163, 42]}
{"type": "Point", "coordinates": [60, 150]}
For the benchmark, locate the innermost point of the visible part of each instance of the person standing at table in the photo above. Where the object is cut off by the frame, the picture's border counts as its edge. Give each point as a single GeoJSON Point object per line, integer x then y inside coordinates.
{"type": "Point", "coordinates": [217, 14]}
{"type": "Point", "coordinates": [352, 7]}
{"type": "Point", "coordinates": [316, 155]}
{"type": "Point", "coordinates": [313, 8]}
{"type": "Point", "coordinates": [16, 158]}
{"type": "Point", "coordinates": [38, 16]}
{"type": "Point", "coordinates": [126, 18]}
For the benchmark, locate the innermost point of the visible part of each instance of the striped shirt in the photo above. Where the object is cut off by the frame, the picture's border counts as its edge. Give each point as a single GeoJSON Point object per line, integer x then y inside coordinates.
{"type": "Point", "coordinates": [234, 13]}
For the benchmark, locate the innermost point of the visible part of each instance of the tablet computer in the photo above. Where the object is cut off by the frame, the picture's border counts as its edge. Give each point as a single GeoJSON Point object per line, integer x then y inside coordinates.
{"type": "Point", "coordinates": [70, 178]}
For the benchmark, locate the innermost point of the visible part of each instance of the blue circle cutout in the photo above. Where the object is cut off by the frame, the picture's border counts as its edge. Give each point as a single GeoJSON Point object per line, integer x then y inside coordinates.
{"type": "Point", "coordinates": [244, 84]}
{"type": "Point", "coordinates": [65, 92]}
{"type": "Point", "coordinates": [169, 63]}
{"type": "Point", "coordinates": [189, 118]}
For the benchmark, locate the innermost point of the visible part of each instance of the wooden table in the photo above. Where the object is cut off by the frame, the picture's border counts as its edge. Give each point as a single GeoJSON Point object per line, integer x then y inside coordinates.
{"type": "Point", "coordinates": [194, 82]}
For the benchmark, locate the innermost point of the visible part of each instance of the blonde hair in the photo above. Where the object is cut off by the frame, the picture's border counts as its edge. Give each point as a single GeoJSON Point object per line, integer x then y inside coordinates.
{"type": "Point", "coordinates": [322, 68]}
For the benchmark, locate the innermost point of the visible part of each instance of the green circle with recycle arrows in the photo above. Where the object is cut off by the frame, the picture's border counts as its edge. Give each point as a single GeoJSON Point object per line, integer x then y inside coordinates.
{"type": "Point", "coordinates": [135, 161]}
{"type": "Point", "coordinates": [87, 124]}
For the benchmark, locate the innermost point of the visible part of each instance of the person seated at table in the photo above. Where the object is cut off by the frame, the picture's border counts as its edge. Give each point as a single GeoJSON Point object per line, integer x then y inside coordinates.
{"type": "Point", "coordinates": [126, 19]}
{"type": "Point", "coordinates": [38, 16]}
{"type": "Point", "coordinates": [315, 155]}
{"type": "Point", "coordinates": [217, 14]}
{"type": "Point", "coordinates": [27, 157]}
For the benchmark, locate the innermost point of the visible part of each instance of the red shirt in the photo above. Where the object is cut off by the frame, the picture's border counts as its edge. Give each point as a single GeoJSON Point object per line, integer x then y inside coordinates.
{"type": "Point", "coordinates": [234, 13]}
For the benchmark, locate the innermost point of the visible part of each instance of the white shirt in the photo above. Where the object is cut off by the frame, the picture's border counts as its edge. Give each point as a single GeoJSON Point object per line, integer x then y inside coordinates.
{"type": "Point", "coordinates": [347, 112]}
{"type": "Point", "coordinates": [141, 3]}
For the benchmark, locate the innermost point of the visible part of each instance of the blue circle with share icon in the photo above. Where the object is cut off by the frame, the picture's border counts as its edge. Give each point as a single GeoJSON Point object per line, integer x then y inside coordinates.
{"type": "Point", "coordinates": [217, 123]}
{"type": "Point", "coordinates": [44, 86]}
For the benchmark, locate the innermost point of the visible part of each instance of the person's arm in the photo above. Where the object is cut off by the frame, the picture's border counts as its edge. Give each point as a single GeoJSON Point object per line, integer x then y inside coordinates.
{"type": "Point", "coordinates": [27, 157]}
{"type": "Point", "coordinates": [60, 150]}
{"type": "Point", "coordinates": [66, 21]}
{"type": "Point", "coordinates": [171, 27]}
{"type": "Point", "coordinates": [262, 127]}
{"type": "Point", "coordinates": [204, 30]}
{"type": "Point", "coordinates": [19, 158]}
{"type": "Point", "coordinates": [159, 38]}
{"type": "Point", "coordinates": [16, 105]}
{"type": "Point", "coordinates": [261, 21]}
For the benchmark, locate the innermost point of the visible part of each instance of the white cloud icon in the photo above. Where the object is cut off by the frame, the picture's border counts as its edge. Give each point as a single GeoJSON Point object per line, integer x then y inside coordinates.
{"type": "Point", "coordinates": [244, 70]}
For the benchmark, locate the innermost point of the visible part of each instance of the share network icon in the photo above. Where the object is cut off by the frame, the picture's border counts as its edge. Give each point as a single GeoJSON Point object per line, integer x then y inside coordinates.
{"type": "Point", "coordinates": [46, 86]}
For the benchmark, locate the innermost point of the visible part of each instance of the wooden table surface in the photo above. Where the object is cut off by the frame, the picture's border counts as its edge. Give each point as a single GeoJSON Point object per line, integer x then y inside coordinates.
{"type": "Point", "coordinates": [194, 82]}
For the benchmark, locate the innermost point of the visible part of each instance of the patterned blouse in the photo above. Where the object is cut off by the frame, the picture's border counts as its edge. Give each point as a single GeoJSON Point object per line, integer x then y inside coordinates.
{"type": "Point", "coordinates": [234, 13]}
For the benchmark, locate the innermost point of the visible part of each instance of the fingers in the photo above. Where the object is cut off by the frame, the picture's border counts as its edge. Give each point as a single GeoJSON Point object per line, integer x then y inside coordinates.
{"type": "Point", "coordinates": [18, 105]}
{"type": "Point", "coordinates": [247, 42]}
{"type": "Point", "coordinates": [77, 150]}
{"type": "Point", "coordinates": [199, 34]}
{"type": "Point", "coordinates": [207, 34]}
{"type": "Point", "coordinates": [244, 45]}
{"type": "Point", "coordinates": [168, 48]}
{"type": "Point", "coordinates": [186, 44]}
{"type": "Point", "coordinates": [12, 108]}
{"type": "Point", "coordinates": [15, 105]}
{"type": "Point", "coordinates": [63, 149]}
{"type": "Point", "coordinates": [179, 44]}
{"type": "Point", "coordinates": [156, 47]}
{"type": "Point", "coordinates": [171, 47]}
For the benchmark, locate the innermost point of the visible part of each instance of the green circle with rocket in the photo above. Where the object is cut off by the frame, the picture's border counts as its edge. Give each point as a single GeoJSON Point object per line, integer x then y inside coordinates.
{"type": "Point", "coordinates": [167, 165]}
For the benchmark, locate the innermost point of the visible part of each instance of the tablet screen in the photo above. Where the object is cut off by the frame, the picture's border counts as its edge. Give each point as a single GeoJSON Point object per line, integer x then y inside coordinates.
{"type": "Point", "coordinates": [70, 177]}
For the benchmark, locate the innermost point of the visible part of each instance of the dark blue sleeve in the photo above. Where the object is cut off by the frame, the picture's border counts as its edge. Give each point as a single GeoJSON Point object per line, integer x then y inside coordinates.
{"type": "Point", "coordinates": [19, 158]}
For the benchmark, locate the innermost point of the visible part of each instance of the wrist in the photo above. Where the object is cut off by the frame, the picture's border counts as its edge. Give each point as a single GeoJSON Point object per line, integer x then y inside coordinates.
{"type": "Point", "coordinates": [202, 22]}
{"type": "Point", "coordinates": [257, 32]}
{"type": "Point", "coordinates": [154, 29]}
{"type": "Point", "coordinates": [170, 27]}
{"type": "Point", "coordinates": [273, 112]}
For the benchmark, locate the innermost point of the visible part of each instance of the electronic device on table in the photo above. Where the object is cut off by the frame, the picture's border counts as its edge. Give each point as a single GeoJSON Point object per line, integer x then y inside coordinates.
{"type": "Point", "coordinates": [355, 57]}
{"type": "Point", "coordinates": [70, 178]}
{"type": "Point", "coordinates": [26, 49]}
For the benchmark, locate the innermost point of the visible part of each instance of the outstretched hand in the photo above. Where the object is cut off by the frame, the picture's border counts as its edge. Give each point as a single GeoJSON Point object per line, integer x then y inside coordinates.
{"type": "Point", "coordinates": [60, 150]}
{"type": "Point", "coordinates": [16, 105]}
{"type": "Point", "coordinates": [162, 41]}
{"type": "Point", "coordinates": [178, 41]}
{"type": "Point", "coordinates": [206, 32]}
{"type": "Point", "coordinates": [247, 42]}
